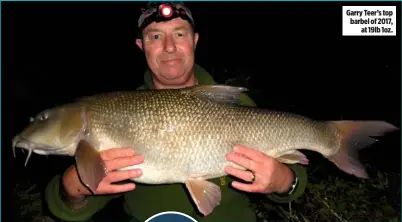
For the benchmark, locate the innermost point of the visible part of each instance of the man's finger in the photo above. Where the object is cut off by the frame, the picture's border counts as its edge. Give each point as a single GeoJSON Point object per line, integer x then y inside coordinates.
{"type": "Point", "coordinates": [115, 164]}
{"type": "Point", "coordinates": [241, 174]}
{"type": "Point", "coordinates": [249, 153]}
{"type": "Point", "coordinates": [242, 161]}
{"type": "Point", "coordinates": [252, 188]}
{"type": "Point", "coordinates": [112, 189]}
{"type": "Point", "coordinates": [116, 153]}
{"type": "Point", "coordinates": [117, 176]}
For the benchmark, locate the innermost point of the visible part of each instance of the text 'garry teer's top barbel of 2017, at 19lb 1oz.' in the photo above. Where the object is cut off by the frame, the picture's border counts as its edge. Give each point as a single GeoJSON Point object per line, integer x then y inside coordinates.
{"type": "Point", "coordinates": [375, 19]}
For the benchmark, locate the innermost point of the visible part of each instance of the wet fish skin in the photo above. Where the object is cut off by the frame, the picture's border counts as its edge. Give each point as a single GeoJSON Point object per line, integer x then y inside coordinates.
{"type": "Point", "coordinates": [184, 135]}
{"type": "Point", "coordinates": [180, 136]}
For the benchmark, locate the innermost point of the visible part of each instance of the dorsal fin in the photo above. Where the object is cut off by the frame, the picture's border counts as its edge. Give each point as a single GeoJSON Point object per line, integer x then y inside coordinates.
{"type": "Point", "coordinates": [217, 93]}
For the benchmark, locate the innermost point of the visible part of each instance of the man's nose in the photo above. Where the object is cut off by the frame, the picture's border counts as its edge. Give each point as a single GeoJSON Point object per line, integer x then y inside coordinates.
{"type": "Point", "coordinates": [170, 45]}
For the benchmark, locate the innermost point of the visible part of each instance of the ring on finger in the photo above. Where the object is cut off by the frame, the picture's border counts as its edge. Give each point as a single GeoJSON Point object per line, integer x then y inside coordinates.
{"type": "Point", "coordinates": [252, 177]}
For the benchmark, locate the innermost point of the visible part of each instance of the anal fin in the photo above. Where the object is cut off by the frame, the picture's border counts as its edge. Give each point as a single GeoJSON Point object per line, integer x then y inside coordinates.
{"type": "Point", "coordinates": [90, 165]}
{"type": "Point", "coordinates": [206, 195]}
{"type": "Point", "coordinates": [293, 157]}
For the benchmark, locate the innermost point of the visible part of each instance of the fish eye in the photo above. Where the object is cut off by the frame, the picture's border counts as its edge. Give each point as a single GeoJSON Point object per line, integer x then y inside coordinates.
{"type": "Point", "coordinates": [42, 116]}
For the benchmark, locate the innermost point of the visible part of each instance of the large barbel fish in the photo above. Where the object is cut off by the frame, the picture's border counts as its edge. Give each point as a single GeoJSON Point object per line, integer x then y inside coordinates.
{"type": "Point", "coordinates": [184, 135]}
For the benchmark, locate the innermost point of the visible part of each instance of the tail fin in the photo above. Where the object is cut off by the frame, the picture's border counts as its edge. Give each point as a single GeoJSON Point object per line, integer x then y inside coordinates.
{"type": "Point", "coordinates": [356, 135]}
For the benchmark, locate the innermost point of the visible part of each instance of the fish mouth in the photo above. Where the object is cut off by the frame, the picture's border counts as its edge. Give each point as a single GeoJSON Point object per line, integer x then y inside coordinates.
{"type": "Point", "coordinates": [40, 149]}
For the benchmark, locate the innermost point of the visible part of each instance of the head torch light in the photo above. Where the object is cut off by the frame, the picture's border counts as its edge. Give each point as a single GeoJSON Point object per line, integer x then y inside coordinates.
{"type": "Point", "coordinates": [166, 10]}
{"type": "Point", "coordinates": [161, 12]}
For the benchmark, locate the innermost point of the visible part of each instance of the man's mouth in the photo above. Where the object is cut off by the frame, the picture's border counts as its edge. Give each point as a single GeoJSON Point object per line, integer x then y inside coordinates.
{"type": "Point", "coordinates": [170, 61]}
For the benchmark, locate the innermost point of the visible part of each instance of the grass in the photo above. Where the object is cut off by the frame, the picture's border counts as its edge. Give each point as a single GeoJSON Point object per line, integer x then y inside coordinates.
{"type": "Point", "coordinates": [27, 203]}
{"type": "Point", "coordinates": [333, 198]}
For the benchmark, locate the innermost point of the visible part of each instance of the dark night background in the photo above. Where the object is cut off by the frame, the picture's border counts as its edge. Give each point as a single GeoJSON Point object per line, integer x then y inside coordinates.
{"type": "Point", "coordinates": [293, 52]}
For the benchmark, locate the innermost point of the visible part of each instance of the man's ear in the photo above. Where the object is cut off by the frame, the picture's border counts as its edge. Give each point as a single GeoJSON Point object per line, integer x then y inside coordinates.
{"type": "Point", "coordinates": [138, 41]}
{"type": "Point", "coordinates": [196, 36]}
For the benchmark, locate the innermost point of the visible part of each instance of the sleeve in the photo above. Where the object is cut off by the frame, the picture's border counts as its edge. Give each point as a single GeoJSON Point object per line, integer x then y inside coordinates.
{"type": "Point", "coordinates": [142, 87]}
{"type": "Point", "coordinates": [59, 209]}
{"type": "Point", "coordinates": [245, 100]}
{"type": "Point", "coordinates": [301, 174]}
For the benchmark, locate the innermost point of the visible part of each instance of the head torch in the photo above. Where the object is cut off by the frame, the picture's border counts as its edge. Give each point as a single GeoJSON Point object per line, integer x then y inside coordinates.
{"type": "Point", "coordinates": [161, 12]}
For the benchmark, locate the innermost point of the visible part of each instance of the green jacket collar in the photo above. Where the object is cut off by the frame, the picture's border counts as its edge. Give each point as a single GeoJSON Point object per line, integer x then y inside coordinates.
{"type": "Point", "coordinates": [202, 76]}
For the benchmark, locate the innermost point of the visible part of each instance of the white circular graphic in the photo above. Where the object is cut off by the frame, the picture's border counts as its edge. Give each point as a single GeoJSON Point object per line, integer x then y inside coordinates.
{"type": "Point", "coordinates": [170, 216]}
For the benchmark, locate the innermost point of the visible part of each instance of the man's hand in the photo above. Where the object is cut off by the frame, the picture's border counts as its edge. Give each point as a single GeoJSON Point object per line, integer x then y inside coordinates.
{"type": "Point", "coordinates": [114, 159]}
{"type": "Point", "coordinates": [271, 176]}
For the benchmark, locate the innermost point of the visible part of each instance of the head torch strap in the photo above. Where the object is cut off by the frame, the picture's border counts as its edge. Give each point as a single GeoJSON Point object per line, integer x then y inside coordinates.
{"type": "Point", "coordinates": [163, 12]}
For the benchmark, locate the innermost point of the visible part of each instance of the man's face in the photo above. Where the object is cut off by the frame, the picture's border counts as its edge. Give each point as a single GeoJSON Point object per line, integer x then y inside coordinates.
{"type": "Point", "coordinates": [169, 50]}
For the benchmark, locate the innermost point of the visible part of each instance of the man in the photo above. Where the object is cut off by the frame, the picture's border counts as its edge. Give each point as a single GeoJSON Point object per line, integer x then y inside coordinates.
{"type": "Point", "coordinates": [169, 45]}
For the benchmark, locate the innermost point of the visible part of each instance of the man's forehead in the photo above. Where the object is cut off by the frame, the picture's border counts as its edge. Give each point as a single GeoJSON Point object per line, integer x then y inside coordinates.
{"type": "Point", "coordinates": [174, 24]}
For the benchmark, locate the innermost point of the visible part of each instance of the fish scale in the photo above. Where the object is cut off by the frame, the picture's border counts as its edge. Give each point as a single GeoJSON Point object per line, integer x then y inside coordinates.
{"type": "Point", "coordinates": [184, 135]}
{"type": "Point", "coordinates": [187, 135]}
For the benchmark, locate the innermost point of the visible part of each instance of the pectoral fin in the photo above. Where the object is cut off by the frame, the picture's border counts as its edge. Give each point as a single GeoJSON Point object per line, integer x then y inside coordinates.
{"type": "Point", "coordinates": [293, 157]}
{"type": "Point", "coordinates": [90, 165]}
{"type": "Point", "coordinates": [206, 195]}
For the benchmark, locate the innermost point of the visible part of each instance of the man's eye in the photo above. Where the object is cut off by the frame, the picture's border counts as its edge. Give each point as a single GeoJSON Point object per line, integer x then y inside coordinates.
{"type": "Point", "coordinates": [156, 37]}
{"type": "Point", "coordinates": [179, 34]}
